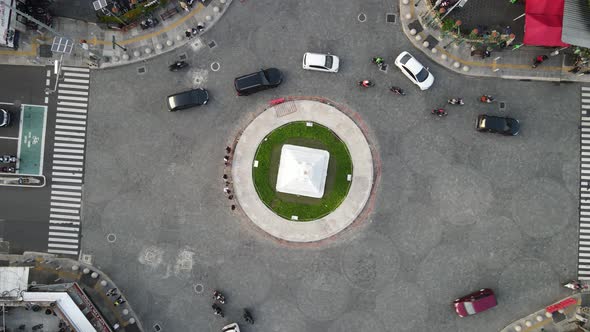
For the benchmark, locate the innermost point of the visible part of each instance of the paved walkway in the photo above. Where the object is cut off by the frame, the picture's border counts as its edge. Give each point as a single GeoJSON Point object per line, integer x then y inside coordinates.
{"type": "Point", "coordinates": [414, 15]}
{"type": "Point", "coordinates": [140, 44]}
{"type": "Point", "coordinates": [362, 178]}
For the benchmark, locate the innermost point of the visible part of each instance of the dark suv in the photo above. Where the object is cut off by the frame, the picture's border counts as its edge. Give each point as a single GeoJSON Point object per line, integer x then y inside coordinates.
{"type": "Point", "coordinates": [187, 99]}
{"type": "Point", "coordinates": [259, 81]}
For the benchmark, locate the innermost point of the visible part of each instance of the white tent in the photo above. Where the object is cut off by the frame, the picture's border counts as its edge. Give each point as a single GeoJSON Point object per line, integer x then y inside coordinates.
{"type": "Point", "coordinates": [302, 171]}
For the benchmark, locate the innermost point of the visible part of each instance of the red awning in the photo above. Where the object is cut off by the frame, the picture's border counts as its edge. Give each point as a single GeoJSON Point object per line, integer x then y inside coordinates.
{"type": "Point", "coordinates": [543, 23]}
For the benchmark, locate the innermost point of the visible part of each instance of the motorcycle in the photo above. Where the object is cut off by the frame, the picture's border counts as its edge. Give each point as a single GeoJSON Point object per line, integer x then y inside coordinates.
{"type": "Point", "coordinates": [378, 61]}
{"type": "Point", "coordinates": [7, 159]}
{"type": "Point", "coordinates": [397, 90]}
{"type": "Point", "coordinates": [366, 84]}
{"type": "Point", "coordinates": [439, 112]}
{"type": "Point", "coordinates": [150, 22]}
{"type": "Point", "coordinates": [248, 317]}
{"type": "Point", "coordinates": [486, 99]}
{"type": "Point", "coordinates": [217, 310]}
{"type": "Point", "coordinates": [219, 297]}
{"type": "Point", "coordinates": [178, 65]}
{"type": "Point", "coordinates": [576, 285]}
{"type": "Point", "coordinates": [456, 101]}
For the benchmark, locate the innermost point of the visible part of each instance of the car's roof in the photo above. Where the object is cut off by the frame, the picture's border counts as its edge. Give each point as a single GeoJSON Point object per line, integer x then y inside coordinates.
{"type": "Point", "coordinates": [413, 65]}
{"type": "Point", "coordinates": [315, 58]}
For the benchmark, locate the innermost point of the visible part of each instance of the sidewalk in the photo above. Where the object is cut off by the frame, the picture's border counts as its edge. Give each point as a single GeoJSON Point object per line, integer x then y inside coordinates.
{"type": "Point", "coordinates": [503, 64]}
{"type": "Point", "coordinates": [141, 45]}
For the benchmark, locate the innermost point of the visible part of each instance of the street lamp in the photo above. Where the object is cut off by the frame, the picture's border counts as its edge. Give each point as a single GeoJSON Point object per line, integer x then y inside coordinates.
{"type": "Point", "coordinates": [115, 44]}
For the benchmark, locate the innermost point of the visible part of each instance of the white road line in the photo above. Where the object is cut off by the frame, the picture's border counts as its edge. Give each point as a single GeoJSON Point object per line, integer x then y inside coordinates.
{"type": "Point", "coordinates": [68, 109]}
{"type": "Point", "coordinates": [46, 100]}
{"type": "Point", "coordinates": [76, 175]}
{"type": "Point", "coordinates": [66, 199]}
{"type": "Point", "coordinates": [73, 92]}
{"type": "Point", "coordinates": [66, 180]}
{"type": "Point", "coordinates": [586, 88]}
{"type": "Point", "coordinates": [59, 245]}
{"type": "Point", "coordinates": [72, 80]}
{"type": "Point", "coordinates": [82, 128]}
{"type": "Point", "coordinates": [66, 156]}
{"type": "Point", "coordinates": [78, 116]}
{"type": "Point", "coordinates": [77, 206]}
{"type": "Point", "coordinates": [81, 146]}
{"type": "Point", "coordinates": [69, 103]}
{"type": "Point", "coordinates": [48, 73]}
{"type": "Point", "coordinates": [585, 254]}
{"type": "Point", "coordinates": [79, 69]}
{"type": "Point", "coordinates": [64, 216]}
{"type": "Point", "coordinates": [67, 162]}
{"type": "Point", "coordinates": [69, 133]}
{"type": "Point", "coordinates": [76, 75]}
{"type": "Point", "coordinates": [75, 151]}
{"type": "Point", "coordinates": [58, 186]}
{"type": "Point", "coordinates": [71, 139]}
{"type": "Point", "coordinates": [67, 193]}
{"type": "Point", "coordinates": [58, 210]}
{"type": "Point", "coordinates": [78, 122]}
{"type": "Point", "coordinates": [73, 86]}
{"type": "Point", "coordinates": [63, 234]}
{"type": "Point", "coordinates": [57, 239]}
{"type": "Point", "coordinates": [64, 222]}
{"type": "Point", "coordinates": [72, 98]}
{"type": "Point", "coordinates": [62, 228]}
{"type": "Point", "coordinates": [7, 137]}
{"type": "Point", "coordinates": [63, 252]}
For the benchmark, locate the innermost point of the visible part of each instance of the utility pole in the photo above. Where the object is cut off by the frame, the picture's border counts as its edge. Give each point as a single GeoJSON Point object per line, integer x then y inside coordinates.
{"type": "Point", "coordinates": [115, 44]}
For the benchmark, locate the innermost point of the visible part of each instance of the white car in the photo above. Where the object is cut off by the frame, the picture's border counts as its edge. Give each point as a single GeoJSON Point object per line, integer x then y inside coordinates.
{"type": "Point", "coordinates": [414, 70]}
{"type": "Point", "coordinates": [321, 62]}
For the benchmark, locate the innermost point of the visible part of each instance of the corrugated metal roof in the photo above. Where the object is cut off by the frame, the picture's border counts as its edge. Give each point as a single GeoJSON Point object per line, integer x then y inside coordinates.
{"type": "Point", "coordinates": [576, 23]}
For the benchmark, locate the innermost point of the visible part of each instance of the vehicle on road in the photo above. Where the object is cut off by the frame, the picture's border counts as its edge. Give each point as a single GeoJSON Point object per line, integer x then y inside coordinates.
{"type": "Point", "coordinates": [321, 62]}
{"type": "Point", "coordinates": [187, 99]}
{"type": "Point", "coordinates": [475, 302]}
{"type": "Point", "coordinates": [259, 81]}
{"type": "Point", "coordinates": [5, 117]}
{"type": "Point", "coordinates": [496, 124]}
{"type": "Point", "coordinates": [414, 70]}
{"type": "Point", "coordinates": [233, 327]}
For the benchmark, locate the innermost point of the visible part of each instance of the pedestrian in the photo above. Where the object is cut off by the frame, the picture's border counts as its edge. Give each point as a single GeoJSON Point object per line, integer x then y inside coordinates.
{"type": "Point", "coordinates": [84, 44]}
{"type": "Point", "coordinates": [119, 300]}
{"type": "Point", "coordinates": [183, 5]}
{"type": "Point", "coordinates": [194, 31]}
{"type": "Point", "coordinates": [233, 207]}
{"type": "Point", "coordinates": [539, 60]}
{"type": "Point", "coordinates": [575, 70]}
{"type": "Point", "coordinates": [224, 176]}
{"type": "Point", "coordinates": [227, 150]}
{"type": "Point", "coordinates": [486, 54]}
{"type": "Point", "coordinates": [188, 34]}
{"type": "Point", "coordinates": [230, 197]}
{"type": "Point", "coordinates": [226, 158]}
{"type": "Point", "coordinates": [112, 292]}
{"type": "Point", "coordinates": [226, 190]}
{"type": "Point", "coordinates": [200, 27]}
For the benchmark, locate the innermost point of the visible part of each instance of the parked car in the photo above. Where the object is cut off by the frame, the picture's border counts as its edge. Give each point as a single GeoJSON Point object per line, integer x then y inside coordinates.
{"type": "Point", "coordinates": [5, 117]}
{"type": "Point", "coordinates": [414, 70]}
{"type": "Point", "coordinates": [258, 81]}
{"type": "Point", "coordinates": [475, 302]}
{"type": "Point", "coordinates": [187, 99]}
{"type": "Point", "coordinates": [496, 124]}
{"type": "Point", "coordinates": [321, 62]}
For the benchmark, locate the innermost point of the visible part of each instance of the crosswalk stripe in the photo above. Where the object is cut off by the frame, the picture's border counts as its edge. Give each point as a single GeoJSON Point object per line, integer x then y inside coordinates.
{"type": "Point", "coordinates": [63, 252]}
{"type": "Point", "coordinates": [66, 180]}
{"type": "Point", "coordinates": [85, 75]}
{"type": "Point", "coordinates": [60, 186]}
{"type": "Point", "coordinates": [73, 92]}
{"type": "Point", "coordinates": [73, 80]}
{"type": "Point", "coordinates": [77, 122]}
{"type": "Point", "coordinates": [73, 86]}
{"type": "Point", "coordinates": [59, 245]}
{"type": "Point", "coordinates": [77, 206]}
{"type": "Point", "coordinates": [64, 97]}
{"type": "Point", "coordinates": [67, 162]}
{"type": "Point", "coordinates": [64, 222]}
{"type": "Point", "coordinates": [81, 146]}
{"type": "Point", "coordinates": [66, 199]}
{"type": "Point", "coordinates": [59, 210]}
{"type": "Point", "coordinates": [63, 234]}
{"type": "Point", "coordinates": [76, 175]}
{"type": "Point", "coordinates": [62, 228]}
{"type": "Point", "coordinates": [584, 254]}
{"type": "Point", "coordinates": [69, 103]}
{"type": "Point", "coordinates": [76, 128]}
{"type": "Point", "coordinates": [72, 151]}
{"type": "Point", "coordinates": [74, 110]}
{"type": "Point", "coordinates": [73, 133]}
{"type": "Point", "coordinates": [66, 193]}
{"type": "Point", "coordinates": [80, 69]}
{"type": "Point", "coordinates": [73, 139]}
{"type": "Point", "coordinates": [64, 216]}
{"type": "Point", "coordinates": [66, 156]}
{"type": "Point", "coordinates": [66, 240]}
{"type": "Point", "coordinates": [66, 168]}
{"type": "Point", "coordinates": [78, 116]}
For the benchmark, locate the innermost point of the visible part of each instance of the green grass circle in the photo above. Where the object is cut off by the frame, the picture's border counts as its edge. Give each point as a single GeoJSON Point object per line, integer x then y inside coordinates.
{"type": "Point", "coordinates": [268, 156]}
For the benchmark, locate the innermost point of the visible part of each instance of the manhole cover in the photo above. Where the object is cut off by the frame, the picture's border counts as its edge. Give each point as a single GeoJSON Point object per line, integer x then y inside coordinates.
{"type": "Point", "coordinates": [182, 56]}
{"type": "Point", "coordinates": [212, 44]}
{"type": "Point", "coordinates": [502, 106]}
{"type": "Point", "coordinates": [157, 327]}
{"type": "Point", "coordinates": [215, 66]}
{"type": "Point", "coordinates": [199, 288]}
{"type": "Point", "coordinates": [141, 70]}
{"type": "Point", "coordinates": [384, 67]}
{"type": "Point", "coordinates": [390, 18]}
{"type": "Point", "coordinates": [87, 259]}
{"type": "Point", "coordinates": [362, 17]}
{"type": "Point", "coordinates": [45, 51]}
{"type": "Point", "coordinates": [111, 237]}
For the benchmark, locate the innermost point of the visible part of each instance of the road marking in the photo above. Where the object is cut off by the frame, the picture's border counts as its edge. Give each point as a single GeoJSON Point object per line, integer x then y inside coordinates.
{"type": "Point", "coordinates": [63, 216]}
{"type": "Point", "coordinates": [76, 74]}
{"type": "Point", "coordinates": [65, 252]}
{"type": "Point", "coordinates": [78, 116]}
{"type": "Point", "coordinates": [67, 193]}
{"type": "Point", "coordinates": [77, 151]}
{"type": "Point", "coordinates": [77, 122]}
{"type": "Point", "coordinates": [69, 133]}
{"type": "Point", "coordinates": [64, 222]}
{"type": "Point", "coordinates": [57, 239]}
{"type": "Point", "coordinates": [71, 139]}
{"type": "Point", "coordinates": [59, 245]}
{"type": "Point", "coordinates": [67, 109]}
{"type": "Point", "coordinates": [67, 180]}
{"type": "Point", "coordinates": [73, 92]}
{"type": "Point", "coordinates": [70, 128]}
{"type": "Point", "coordinates": [66, 156]}
{"type": "Point", "coordinates": [62, 228]}
{"type": "Point", "coordinates": [78, 69]}
{"type": "Point", "coordinates": [73, 86]}
{"type": "Point", "coordinates": [67, 199]}
{"type": "Point", "coordinates": [63, 234]}
{"type": "Point", "coordinates": [7, 137]}
{"type": "Point", "coordinates": [71, 98]}
{"type": "Point", "coordinates": [68, 103]}
{"type": "Point", "coordinates": [73, 80]}
{"type": "Point", "coordinates": [80, 146]}
{"type": "Point", "coordinates": [58, 186]}
{"type": "Point", "coordinates": [78, 175]}
{"type": "Point", "coordinates": [71, 205]}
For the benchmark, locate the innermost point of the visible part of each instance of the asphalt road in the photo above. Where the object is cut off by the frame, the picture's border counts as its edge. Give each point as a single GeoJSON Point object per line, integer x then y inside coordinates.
{"type": "Point", "coordinates": [456, 210]}
{"type": "Point", "coordinates": [23, 211]}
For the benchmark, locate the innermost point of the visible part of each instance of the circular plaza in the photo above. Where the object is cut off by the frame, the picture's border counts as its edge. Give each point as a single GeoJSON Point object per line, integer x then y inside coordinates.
{"type": "Point", "coordinates": [302, 171]}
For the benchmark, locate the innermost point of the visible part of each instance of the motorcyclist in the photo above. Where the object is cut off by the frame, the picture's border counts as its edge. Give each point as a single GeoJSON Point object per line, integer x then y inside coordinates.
{"type": "Point", "coordinates": [397, 90]}
{"type": "Point", "coordinates": [378, 60]}
{"type": "Point", "coordinates": [486, 99]}
{"type": "Point", "coordinates": [366, 83]}
{"type": "Point", "coordinates": [439, 112]}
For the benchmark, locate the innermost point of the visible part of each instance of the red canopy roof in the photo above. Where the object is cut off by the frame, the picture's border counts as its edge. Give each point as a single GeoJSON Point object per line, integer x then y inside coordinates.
{"type": "Point", "coordinates": [543, 23]}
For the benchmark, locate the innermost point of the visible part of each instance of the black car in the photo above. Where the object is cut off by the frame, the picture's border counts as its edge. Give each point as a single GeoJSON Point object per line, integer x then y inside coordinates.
{"type": "Point", "coordinates": [496, 124]}
{"type": "Point", "coordinates": [4, 118]}
{"type": "Point", "coordinates": [187, 99]}
{"type": "Point", "coordinates": [258, 81]}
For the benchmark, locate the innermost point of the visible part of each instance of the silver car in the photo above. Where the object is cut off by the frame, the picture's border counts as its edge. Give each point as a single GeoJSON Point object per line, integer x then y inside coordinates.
{"type": "Point", "coordinates": [4, 118]}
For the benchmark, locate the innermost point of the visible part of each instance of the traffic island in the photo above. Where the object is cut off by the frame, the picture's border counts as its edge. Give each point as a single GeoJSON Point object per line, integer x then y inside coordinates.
{"type": "Point", "coordinates": [253, 160]}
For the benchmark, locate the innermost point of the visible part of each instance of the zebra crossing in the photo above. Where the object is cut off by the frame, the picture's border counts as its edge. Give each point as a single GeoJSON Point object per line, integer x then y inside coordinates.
{"type": "Point", "coordinates": [67, 171]}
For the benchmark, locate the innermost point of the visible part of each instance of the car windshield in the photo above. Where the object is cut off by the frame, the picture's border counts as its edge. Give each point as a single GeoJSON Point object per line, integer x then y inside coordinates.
{"type": "Point", "coordinates": [469, 308]}
{"type": "Point", "coordinates": [422, 75]}
{"type": "Point", "coordinates": [329, 61]}
{"type": "Point", "coordinates": [405, 59]}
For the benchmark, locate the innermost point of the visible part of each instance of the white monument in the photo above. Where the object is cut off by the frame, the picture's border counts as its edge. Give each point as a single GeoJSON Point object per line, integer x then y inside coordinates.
{"type": "Point", "coordinates": [302, 171]}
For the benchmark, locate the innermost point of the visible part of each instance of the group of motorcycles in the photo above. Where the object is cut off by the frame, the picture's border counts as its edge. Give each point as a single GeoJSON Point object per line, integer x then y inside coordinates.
{"type": "Point", "coordinates": [8, 159]}
{"type": "Point", "coordinates": [39, 9]}
{"type": "Point", "coordinates": [219, 298]}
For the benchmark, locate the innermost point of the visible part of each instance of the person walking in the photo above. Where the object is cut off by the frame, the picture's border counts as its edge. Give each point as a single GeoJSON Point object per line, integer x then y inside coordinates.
{"type": "Point", "coordinates": [112, 292]}
{"type": "Point", "coordinates": [539, 60]}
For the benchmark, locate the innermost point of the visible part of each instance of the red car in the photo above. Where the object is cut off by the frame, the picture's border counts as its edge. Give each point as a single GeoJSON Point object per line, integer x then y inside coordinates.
{"type": "Point", "coordinates": [473, 303]}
